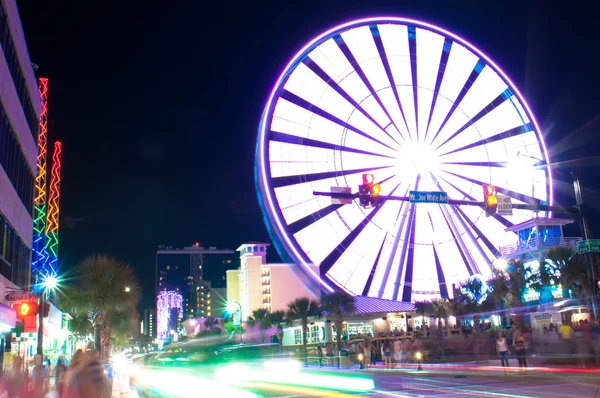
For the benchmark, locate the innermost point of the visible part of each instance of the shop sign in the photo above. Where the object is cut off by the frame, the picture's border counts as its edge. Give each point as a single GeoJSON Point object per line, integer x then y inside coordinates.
{"type": "Point", "coordinates": [18, 296]}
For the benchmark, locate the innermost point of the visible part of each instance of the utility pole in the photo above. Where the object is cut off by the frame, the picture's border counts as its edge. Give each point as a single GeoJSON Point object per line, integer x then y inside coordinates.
{"type": "Point", "coordinates": [589, 260]}
{"type": "Point", "coordinates": [40, 339]}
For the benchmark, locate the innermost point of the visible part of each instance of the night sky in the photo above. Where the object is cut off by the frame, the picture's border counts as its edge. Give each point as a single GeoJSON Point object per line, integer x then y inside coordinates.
{"type": "Point", "coordinates": [158, 103]}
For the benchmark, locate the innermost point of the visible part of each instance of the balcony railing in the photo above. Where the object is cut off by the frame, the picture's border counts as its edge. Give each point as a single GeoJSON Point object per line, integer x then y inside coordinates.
{"type": "Point", "coordinates": [537, 243]}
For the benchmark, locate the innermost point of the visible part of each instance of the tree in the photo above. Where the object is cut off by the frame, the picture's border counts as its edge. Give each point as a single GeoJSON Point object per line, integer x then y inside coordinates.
{"type": "Point", "coordinates": [278, 318]}
{"type": "Point", "coordinates": [498, 290]}
{"type": "Point", "coordinates": [99, 292]}
{"type": "Point", "coordinates": [81, 326]}
{"type": "Point", "coordinates": [262, 318]}
{"type": "Point", "coordinates": [572, 269]}
{"type": "Point", "coordinates": [302, 309]}
{"type": "Point", "coordinates": [338, 304]}
{"type": "Point", "coordinates": [211, 323]}
{"type": "Point", "coordinates": [517, 281]}
{"type": "Point", "coordinates": [441, 309]}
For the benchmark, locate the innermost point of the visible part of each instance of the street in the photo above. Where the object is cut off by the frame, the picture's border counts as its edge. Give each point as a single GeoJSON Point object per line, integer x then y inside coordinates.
{"type": "Point", "coordinates": [392, 384]}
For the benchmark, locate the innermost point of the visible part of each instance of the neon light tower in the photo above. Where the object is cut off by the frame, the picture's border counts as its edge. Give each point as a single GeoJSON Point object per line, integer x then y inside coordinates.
{"type": "Point", "coordinates": [39, 221]}
{"type": "Point", "coordinates": [53, 209]}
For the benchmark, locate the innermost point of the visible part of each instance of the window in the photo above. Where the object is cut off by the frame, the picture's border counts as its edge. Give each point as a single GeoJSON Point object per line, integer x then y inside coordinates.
{"type": "Point", "coordinates": [15, 260]}
{"type": "Point", "coordinates": [168, 267]}
{"type": "Point", "coordinates": [298, 336]}
{"type": "Point", "coordinates": [14, 162]}
{"type": "Point", "coordinates": [262, 249]}
{"type": "Point", "coordinates": [14, 67]}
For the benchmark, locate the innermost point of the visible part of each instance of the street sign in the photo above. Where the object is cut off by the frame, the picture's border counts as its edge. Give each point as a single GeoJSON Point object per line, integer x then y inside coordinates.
{"type": "Point", "coordinates": [427, 197]}
{"type": "Point", "coordinates": [18, 296]}
{"type": "Point", "coordinates": [341, 201]}
{"type": "Point", "coordinates": [505, 207]}
{"type": "Point", "coordinates": [588, 246]}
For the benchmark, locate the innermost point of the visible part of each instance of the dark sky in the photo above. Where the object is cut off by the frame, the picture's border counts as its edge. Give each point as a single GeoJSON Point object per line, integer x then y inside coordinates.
{"type": "Point", "coordinates": [157, 103]}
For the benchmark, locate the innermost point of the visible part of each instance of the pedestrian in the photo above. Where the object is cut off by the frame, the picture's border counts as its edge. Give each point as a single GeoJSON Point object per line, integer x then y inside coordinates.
{"type": "Point", "coordinates": [386, 350]}
{"type": "Point", "coordinates": [16, 380]}
{"type": "Point", "coordinates": [502, 350]}
{"type": "Point", "coordinates": [59, 376]}
{"type": "Point", "coordinates": [520, 350]}
{"type": "Point", "coordinates": [367, 349]}
{"type": "Point", "coordinates": [397, 351]}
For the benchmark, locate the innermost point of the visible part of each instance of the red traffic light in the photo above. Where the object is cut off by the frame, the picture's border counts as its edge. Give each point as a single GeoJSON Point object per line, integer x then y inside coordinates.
{"type": "Point", "coordinates": [368, 179]}
{"type": "Point", "coordinates": [27, 308]}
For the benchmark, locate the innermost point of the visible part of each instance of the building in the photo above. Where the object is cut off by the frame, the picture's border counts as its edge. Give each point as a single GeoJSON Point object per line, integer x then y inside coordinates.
{"type": "Point", "coordinates": [20, 107]}
{"type": "Point", "coordinates": [256, 284]}
{"type": "Point", "coordinates": [373, 317]}
{"type": "Point", "coordinates": [148, 324]}
{"type": "Point", "coordinates": [187, 271]}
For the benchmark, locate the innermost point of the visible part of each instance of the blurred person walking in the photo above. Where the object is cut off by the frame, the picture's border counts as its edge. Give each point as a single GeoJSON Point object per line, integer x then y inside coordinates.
{"type": "Point", "coordinates": [59, 376]}
{"type": "Point", "coordinates": [86, 378]}
{"type": "Point", "coordinates": [16, 380]}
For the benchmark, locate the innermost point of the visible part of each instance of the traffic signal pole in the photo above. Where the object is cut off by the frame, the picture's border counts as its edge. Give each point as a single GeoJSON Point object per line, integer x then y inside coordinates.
{"type": "Point", "coordinates": [589, 257]}
{"type": "Point", "coordinates": [40, 339]}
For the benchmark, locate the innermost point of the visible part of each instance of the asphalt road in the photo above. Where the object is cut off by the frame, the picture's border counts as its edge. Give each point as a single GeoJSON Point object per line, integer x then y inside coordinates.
{"type": "Point", "coordinates": [394, 384]}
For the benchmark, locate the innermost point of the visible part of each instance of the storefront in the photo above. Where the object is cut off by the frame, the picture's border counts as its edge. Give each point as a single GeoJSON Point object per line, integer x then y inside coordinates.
{"type": "Point", "coordinates": [8, 320]}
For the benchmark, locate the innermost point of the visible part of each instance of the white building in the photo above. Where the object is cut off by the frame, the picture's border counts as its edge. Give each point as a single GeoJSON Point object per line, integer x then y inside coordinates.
{"type": "Point", "coordinates": [20, 107]}
{"type": "Point", "coordinates": [257, 284]}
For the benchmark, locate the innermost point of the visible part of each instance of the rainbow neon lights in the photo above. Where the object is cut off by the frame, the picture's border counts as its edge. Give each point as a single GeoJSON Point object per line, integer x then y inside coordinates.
{"type": "Point", "coordinates": [39, 221]}
{"type": "Point", "coordinates": [53, 209]}
{"type": "Point", "coordinates": [164, 303]}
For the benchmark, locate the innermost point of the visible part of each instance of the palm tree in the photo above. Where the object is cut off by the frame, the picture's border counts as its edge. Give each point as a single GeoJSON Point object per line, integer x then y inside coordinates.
{"type": "Point", "coordinates": [262, 317]}
{"type": "Point", "coordinates": [498, 290]}
{"type": "Point", "coordinates": [210, 323]}
{"type": "Point", "coordinates": [277, 319]}
{"type": "Point", "coordinates": [572, 269]}
{"type": "Point", "coordinates": [441, 309]}
{"type": "Point", "coordinates": [104, 289]}
{"type": "Point", "coordinates": [338, 304]}
{"type": "Point", "coordinates": [303, 308]}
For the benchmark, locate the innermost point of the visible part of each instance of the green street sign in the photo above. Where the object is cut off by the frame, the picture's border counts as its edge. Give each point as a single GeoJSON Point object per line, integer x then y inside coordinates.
{"type": "Point", "coordinates": [588, 246]}
{"type": "Point", "coordinates": [427, 197]}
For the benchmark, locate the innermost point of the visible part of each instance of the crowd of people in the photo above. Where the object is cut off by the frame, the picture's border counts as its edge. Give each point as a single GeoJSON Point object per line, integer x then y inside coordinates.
{"type": "Point", "coordinates": [84, 377]}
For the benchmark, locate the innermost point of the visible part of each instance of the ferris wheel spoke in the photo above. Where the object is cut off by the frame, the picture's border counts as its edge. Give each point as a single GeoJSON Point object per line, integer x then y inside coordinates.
{"type": "Point", "coordinates": [302, 103]}
{"type": "Point", "coordinates": [496, 216]}
{"type": "Point", "coordinates": [313, 66]}
{"type": "Point", "coordinates": [486, 110]}
{"type": "Point", "coordinates": [339, 40]}
{"type": "Point", "coordinates": [308, 142]}
{"type": "Point", "coordinates": [497, 137]}
{"type": "Point", "coordinates": [465, 89]}
{"type": "Point", "coordinates": [438, 265]}
{"type": "Point", "coordinates": [412, 45]}
{"type": "Point", "coordinates": [335, 254]}
{"type": "Point", "coordinates": [503, 165]}
{"type": "Point", "coordinates": [407, 245]}
{"type": "Point", "coordinates": [369, 282]}
{"type": "Point", "coordinates": [279, 182]}
{"type": "Point", "coordinates": [388, 71]}
{"type": "Point", "coordinates": [440, 76]}
{"type": "Point", "coordinates": [515, 195]}
{"type": "Point", "coordinates": [478, 232]}
{"type": "Point", "coordinates": [473, 265]}
{"type": "Point", "coordinates": [404, 206]}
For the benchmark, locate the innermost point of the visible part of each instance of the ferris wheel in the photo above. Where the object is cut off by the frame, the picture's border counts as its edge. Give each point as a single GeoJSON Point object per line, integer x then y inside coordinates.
{"type": "Point", "coordinates": [422, 110]}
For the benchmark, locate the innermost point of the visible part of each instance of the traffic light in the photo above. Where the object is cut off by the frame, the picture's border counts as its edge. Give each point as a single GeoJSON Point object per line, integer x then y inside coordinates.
{"type": "Point", "coordinates": [369, 191]}
{"type": "Point", "coordinates": [490, 200]}
{"type": "Point", "coordinates": [26, 309]}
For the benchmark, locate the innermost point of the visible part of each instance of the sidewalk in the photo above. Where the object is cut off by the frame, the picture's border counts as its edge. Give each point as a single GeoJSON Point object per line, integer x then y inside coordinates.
{"type": "Point", "coordinates": [121, 387]}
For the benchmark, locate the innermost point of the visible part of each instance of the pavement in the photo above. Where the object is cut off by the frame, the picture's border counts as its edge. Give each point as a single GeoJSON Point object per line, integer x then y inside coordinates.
{"type": "Point", "coordinates": [464, 379]}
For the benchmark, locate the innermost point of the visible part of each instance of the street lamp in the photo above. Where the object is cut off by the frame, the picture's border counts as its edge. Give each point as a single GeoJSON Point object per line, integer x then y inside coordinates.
{"type": "Point", "coordinates": [232, 308]}
{"type": "Point", "coordinates": [127, 289]}
{"type": "Point", "coordinates": [50, 282]}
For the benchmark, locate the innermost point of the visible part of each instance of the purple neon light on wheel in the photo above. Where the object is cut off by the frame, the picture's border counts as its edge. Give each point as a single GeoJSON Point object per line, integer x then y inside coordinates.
{"type": "Point", "coordinates": [420, 108]}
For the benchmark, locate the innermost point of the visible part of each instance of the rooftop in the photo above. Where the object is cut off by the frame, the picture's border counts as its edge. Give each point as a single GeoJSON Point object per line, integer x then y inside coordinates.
{"type": "Point", "coordinates": [539, 221]}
